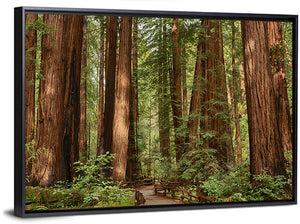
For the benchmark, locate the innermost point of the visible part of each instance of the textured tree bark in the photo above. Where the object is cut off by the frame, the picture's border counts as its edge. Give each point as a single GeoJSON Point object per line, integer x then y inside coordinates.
{"type": "Point", "coordinates": [58, 105]}
{"type": "Point", "coordinates": [214, 94]}
{"type": "Point", "coordinates": [175, 90]}
{"type": "Point", "coordinates": [46, 170]}
{"type": "Point", "coordinates": [101, 93]}
{"type": "Point", "coordinates": [122, 101]}
{"type": "Point", "coordinates": [132, 162]}
{"type": "Point", "coordinates": [193, 121]}
{"type": "Point", "coordinates": [30, 49]}
{"type": "Point", "coordinates": [110, 69]}
{"type": "Point", "coordinates": [71, 61]}
{"type": "Point", "coordinates": [235, 77]}
{"type": "Point", "coordinates": [163, 105]}
{"type": "Point", "coordinates": [277, 55]}
{"type": "Point", "coordinates": [184, 87]}
{"type": "Point", "coordinates": [82, 127]}
{"type": "Point", "coordinates": [164, 111]}
{"type": "Point", "coordinates": [266, 149]}
{"type": "Point", "coordinates": [242, 81]}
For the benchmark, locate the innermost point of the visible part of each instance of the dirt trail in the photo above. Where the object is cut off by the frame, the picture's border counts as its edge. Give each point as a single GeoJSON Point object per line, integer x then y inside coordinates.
{"type": "Point", "coordinates": [152, 199]}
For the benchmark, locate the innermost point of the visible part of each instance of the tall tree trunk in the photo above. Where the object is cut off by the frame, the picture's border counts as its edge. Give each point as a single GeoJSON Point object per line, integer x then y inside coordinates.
{"type": "Point", "coordinates": [277, 55]}
{"type": "Point", "coordinates": [58, 104]}
{"type": "Point", "coordinates": [71, 59]}
{"type": "Point", "coordinates": [193, 121]}
{"type": "Point", "coordinates": [175, 89]}
{"type": "Point", "coordinates": [163, 107]}
{"type": "Point", "coordinates": [30, 49]}
{"type": "Point", "coordinates": [110, 69]}
{"type": "Point", "coordinates": [135, 93]}
{"type": "Point", "coordinates": [214, 94]}
{"type": "Point", "coordinates": [132, 164]}
{"type": "Point", "coordinates": [101, 93]}
{"type": "Point", "coordinates": [266, 149]}
{"type": "Point", "coordinates": [242, 82]}
{"type": "Point", "coordinates": [82, 127]}
{"type": "Point", "coordinates": [122, 101]}
{"type": "Point", "coordinates": [184, 87]}
{"type": "Point", "coordinates": [235, 100]}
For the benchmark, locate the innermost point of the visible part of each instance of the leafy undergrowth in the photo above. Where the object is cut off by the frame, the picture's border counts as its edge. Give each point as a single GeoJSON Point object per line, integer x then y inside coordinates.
{"type": "Point", "coordinates": [58, 197]}
{"type": "Point", "coordinates": [235, 186]}
{"type": "Point", "coordinates": [88, 190]}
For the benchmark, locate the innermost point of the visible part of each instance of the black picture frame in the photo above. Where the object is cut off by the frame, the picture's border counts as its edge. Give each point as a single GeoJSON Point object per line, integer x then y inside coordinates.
{"type": "Point", "coordinates": [19, 106]}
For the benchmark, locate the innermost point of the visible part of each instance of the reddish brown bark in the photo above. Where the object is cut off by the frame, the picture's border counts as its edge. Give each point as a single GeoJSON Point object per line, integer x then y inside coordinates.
{"type": "Point", "coordinates": [277, 55]}
{"type": "Point", "coordinates": [82, 127]}
{"type": "Point", "coordinates": [58, 105]}
{"type": "Point", "coordinates": [193, 121]}
{"type": "Point", "coordinates": [132, 162]}
{"type": "Point", "coordinates": [71, 60]}
{"type": "Point", "coordinates": [163, 105]}
{"type": "Point", "coordinates": [175, 90]}
{"type": "Point", "coordinates": [266, 149]}
{"type": "Point", "coordinates": [110, 69]}
{"type": "Point", "coordinates": [46, 170]}
{"type": "Point", "coordinates": [235, 77]}
{"type": "Point", "coordinates": [122, 101]}
{"type": "Point", "coordinates": [242, 82]}
{"type": "Point", "coordinates": [30, 49]}
{"type": "Point", "coordinates": [214, 96]}
{"type": "Point", "coordinates": [101, 93]}
{"type": "Point", "coordinates": [184, 87]}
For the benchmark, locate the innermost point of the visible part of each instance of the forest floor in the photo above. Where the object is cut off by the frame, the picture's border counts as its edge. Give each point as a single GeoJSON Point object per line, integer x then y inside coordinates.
{"type": "Point", "coordinates": [152, 199]}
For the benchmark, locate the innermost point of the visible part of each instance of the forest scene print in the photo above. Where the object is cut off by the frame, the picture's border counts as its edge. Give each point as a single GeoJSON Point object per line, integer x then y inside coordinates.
{"type": "Point", "coordinates": [131, 111]}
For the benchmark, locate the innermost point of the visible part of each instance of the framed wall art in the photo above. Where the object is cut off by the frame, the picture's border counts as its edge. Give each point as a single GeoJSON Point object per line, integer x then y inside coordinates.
{"type": "Point", "coordinates": [129, 111]}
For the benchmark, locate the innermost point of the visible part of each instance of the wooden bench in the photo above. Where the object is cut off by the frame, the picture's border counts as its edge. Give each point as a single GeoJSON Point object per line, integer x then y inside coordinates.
{"type": "Point", "coordinates": [160, 187]}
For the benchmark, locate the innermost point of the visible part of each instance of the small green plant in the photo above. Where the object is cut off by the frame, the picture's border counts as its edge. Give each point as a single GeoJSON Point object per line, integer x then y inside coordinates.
{"type": "Point", "coordinates": [90, 174]}
{"type": "Point", "coordinates": [270, 188]}
{"type": "Point", "coordinates": [88, 189]}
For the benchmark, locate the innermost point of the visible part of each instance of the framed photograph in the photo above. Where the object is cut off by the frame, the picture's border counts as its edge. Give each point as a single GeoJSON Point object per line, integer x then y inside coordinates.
{"type": "Point", "coordinates": [133, 111]}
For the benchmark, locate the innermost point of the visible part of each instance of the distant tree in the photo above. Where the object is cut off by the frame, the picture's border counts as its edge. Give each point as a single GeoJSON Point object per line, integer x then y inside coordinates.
{"type": "Point", "coordinates": [193, 122]}
{"type": "Point", "coordinates": [175, 90]}
{"type": "Point", "coordinates": [235, 79]}
{"type": "Point", "coordinates": [82, 128]}
{"type": "Point", "coordinates": [133, 151]}
{"type": "Point", "coordinates": [163, 107]}
{"type": "Point", "coordinates": [101, 92]}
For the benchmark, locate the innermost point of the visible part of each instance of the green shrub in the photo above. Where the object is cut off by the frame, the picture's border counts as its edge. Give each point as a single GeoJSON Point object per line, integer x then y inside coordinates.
{"type": "Point", "coordinates": [88, 189]}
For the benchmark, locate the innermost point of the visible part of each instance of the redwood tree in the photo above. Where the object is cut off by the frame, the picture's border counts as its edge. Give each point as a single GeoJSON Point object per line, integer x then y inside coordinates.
{"type": "Point", "coordinates": [193, 121]}
{"type": "Point", "coordinates": [277, 55]}
{"type": "Point", "coordinates": [59, 100]}
{"type": "Point", "coordinates": [82, 127]}
{"type": "Point", "coordinates": [110, 69]}
{"type": "Point", "coordinates": [214, 95]}
{"type": "Point", "coordinates": [30, 49]}
{"type": "Point", "coordinates": [101, 92]}
{"type": "Point", "coordinates": [175, 90]}
{"type": "Point", "coordinates": [132, 164]}
{"type": "Point", "coordinates": [235, 99]}
{"type": "Point", "coordinates": [72, 45]}
{"type": "Point", "coordinates": [266, 148]}
{"type": "Point", "coordinates": [163, 96]}
{"type": "Point", "coordinates": [122, 100]}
